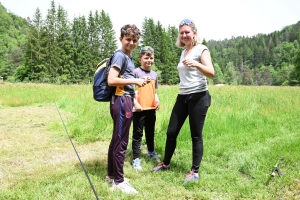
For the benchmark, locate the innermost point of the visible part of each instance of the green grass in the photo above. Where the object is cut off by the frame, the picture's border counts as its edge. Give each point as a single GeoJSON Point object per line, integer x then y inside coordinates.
{"type": "Point", "coordinates": [247, 131]}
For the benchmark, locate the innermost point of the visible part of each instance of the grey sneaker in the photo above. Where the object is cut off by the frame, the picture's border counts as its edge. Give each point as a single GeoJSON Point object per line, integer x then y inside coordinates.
{"type": "Point", "coordinates": [124, 187]}
{"type": "Point", "coordinates": [109, 179]}
{"type": "Point", "coordinates": [153, 156]}
{"type": "Point", "coordinates": [136, 163]}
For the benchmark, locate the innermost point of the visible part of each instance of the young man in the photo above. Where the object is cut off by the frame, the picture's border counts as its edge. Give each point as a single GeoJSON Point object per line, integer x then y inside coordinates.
{"type": "Point", "coordinates": [121, 106]}
{"type": "Point", "coordinates": [145, 107]}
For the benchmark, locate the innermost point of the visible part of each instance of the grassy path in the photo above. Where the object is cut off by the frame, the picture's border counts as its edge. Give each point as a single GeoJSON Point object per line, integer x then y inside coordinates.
{"type": "Point", "coordinates": [28, 147]}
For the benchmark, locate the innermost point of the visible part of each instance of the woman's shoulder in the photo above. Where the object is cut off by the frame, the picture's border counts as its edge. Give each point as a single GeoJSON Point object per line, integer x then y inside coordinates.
{"type": "Point", "coordinates": [201, 46]}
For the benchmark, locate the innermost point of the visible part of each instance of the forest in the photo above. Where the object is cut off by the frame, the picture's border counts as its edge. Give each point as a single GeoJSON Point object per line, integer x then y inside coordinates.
{"type": "Point", "coordinates": [57, 50]}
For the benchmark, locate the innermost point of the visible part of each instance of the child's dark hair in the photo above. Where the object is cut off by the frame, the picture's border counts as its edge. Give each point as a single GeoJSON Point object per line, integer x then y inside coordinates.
{"type": "Point", "coordinates": [147, 50]}
{"type": "Point", "coordinates": [130, 30]}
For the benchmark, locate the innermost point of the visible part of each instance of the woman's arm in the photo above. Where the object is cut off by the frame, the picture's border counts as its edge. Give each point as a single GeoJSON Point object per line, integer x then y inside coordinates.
{"type": "Point", "coordinates": [205, 67]}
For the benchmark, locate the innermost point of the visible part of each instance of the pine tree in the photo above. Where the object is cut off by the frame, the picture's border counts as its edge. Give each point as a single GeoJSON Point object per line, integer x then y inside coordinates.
{"type": "Point", "coordinates": [219, 77]}
{"type": "Point", "coordinates": [63, 49]}
{"type": "Point", "coordinates": [106, 33]}
{"type": "Point", "coordinates": [36, 50]}
{"type": "Point", "coordinates": [296, 72]}
{"type": "Point", "coordinates": [52, 53]}
{"type": "Point", "coordinates": [230, 74]}
{"type": "Point", "coordinates": [257, 80]}
{"type": "Point", "coordinates": [84, 53]}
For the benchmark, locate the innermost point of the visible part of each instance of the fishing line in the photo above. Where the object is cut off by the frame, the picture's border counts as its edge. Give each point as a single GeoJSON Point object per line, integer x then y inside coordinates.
{"type": "Point", "coordinates": [91, 184]}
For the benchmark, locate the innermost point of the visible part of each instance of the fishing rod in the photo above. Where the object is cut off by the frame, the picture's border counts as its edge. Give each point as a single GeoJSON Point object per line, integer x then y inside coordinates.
{"type": "Point", "coordinates": [91, 184]}
{"type": "Point", "coordinates": [276, 170]}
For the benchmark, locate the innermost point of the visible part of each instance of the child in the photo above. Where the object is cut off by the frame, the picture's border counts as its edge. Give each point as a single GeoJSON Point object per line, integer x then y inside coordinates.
{"type": "Point", "coordinates": [146, 103]}
{"type": "Point", "coordinates": [121, 106]}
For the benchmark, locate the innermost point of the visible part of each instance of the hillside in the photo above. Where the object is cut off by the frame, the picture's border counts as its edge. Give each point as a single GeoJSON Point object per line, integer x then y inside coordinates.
{"type": "Point", "coordinates": [276, 51]}
{"type": "Point", "coordinates": [12, 41]}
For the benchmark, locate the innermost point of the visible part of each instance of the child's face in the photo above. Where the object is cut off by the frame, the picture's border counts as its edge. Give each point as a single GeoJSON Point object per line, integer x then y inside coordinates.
{"type": "Point", "coordinates": [129, 43]}
{"type": "Point", "coordinates": [147, 60]}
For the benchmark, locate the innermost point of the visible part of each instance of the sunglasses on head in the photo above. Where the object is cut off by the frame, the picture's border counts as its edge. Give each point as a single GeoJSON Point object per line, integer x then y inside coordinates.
{"type": "Point", "coordinates": [147, 48]}
{"type": "Point", "coordinates": [186, 22]}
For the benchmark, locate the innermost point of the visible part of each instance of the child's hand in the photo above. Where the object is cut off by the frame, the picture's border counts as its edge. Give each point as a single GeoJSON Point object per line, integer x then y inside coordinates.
{"type": "Point", "coordinates": [147, 78]}
{"type": "Point", "coordinates": [138, 107]}
{"type": "Point", "coordinates": [157, 105]}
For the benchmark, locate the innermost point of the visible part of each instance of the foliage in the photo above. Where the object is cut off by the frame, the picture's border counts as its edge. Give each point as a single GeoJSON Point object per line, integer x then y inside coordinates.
{"type": "Point", "coordinates": [12, 42]}
{"type": "Point", "coordinates": [247, 54]}
{"type": "Point", "coordinates": [57, 50]}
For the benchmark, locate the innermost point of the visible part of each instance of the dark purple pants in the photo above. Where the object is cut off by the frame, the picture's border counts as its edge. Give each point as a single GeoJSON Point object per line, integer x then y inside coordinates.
{"type": "Point", "coordinates": [121, 113]}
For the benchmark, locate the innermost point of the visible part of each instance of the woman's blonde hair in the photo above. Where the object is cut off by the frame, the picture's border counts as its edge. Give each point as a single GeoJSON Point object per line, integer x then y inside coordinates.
{"type": "Point", "coordinates": [191, 24]}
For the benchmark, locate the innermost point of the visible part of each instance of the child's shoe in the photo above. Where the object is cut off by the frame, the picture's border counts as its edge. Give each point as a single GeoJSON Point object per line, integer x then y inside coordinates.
{"type": "Point", "coordinates": [136, 163]}
{"type": "Point", "coordinates": [109, 179]}
{"type": "Point", "coordinates": [153, 156]}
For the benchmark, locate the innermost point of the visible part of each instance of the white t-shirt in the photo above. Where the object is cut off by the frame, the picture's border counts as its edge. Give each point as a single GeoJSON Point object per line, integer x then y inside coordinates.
{"type": "Point", "coordinates": [191, 79]}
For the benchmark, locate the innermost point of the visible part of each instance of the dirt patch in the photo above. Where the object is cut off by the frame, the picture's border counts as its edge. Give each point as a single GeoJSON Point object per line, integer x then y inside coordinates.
{"type": "Point", "coordinates": [27, 143]}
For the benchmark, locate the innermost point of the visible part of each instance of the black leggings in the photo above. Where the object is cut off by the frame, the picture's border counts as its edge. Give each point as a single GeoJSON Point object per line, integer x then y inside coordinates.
{"type": "Point", "coordinates": [195, 106]}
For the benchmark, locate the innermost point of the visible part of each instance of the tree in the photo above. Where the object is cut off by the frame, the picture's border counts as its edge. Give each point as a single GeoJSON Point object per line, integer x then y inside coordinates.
{"type": "Point", "coordinates": [106, 34]}
{"type": "Point", "coordinates": [219, 77]}
{"type": "Point", "coordinates": [246, 76]}
{"type": "Point", "coordinates": [82, 51]}
{"type": "Point", "coordinates": [64, 41]}
{"type": "Point", "coordinates": [257, 80]}
{"type": "Point", "coordinates": [35, 55]}
{"type": "Point", "coordinates": [52, 53]}
{"type": "Point", "coordinates": [13, 31]}
{"type": "Point", "coordinates": [230, 74]}
{"type": "Point", "coordinates": [267, 76]}
{"type": "Point", "coordinates": [296, 71]}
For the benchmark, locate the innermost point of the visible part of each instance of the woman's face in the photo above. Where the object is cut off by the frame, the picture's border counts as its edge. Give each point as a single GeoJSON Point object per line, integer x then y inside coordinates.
{"type": "Point", "coordinates": [186, 34]}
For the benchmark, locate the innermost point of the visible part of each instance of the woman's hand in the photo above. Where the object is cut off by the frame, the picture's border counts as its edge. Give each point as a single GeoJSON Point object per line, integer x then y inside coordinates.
{"type": "Point", "coordinates": [189, 62]}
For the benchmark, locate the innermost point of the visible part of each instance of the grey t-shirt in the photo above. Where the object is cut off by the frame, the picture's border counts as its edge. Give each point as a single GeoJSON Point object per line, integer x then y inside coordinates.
{"type": "Point", "coordinates": [121, 60]}
{"type": "Point", "coordinates": [191, 79]}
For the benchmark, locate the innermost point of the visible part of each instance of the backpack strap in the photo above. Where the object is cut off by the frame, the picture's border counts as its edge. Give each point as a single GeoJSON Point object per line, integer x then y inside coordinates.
{"type": "Point", "coordinates": [124, 67]}
{"type": "Point", "coordinates": [122, 71]}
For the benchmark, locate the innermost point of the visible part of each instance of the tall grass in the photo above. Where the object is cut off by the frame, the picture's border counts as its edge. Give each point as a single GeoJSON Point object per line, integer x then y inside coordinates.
{"type": "Point", "coordinates": [247, 131]}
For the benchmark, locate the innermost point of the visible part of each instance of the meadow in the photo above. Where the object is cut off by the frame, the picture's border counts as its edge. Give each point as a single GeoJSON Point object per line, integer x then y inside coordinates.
{"type": "Point", "coordinates": [248, 131]}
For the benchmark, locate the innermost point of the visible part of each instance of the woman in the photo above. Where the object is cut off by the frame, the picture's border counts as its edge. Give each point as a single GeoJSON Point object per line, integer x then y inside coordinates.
{"type": "Point", "coordinates": [193, 99]}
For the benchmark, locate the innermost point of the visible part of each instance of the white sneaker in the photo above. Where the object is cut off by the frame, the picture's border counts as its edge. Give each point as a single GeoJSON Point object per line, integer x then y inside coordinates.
{"type": "Point", "coordinates": [124, 187]}
{"type": "Point", "coordinates": [136, 163]}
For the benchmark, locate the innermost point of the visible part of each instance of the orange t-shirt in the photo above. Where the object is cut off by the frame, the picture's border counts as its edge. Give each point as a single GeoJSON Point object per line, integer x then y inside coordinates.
{"type": "Point", "coordinates": [146, 96]}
